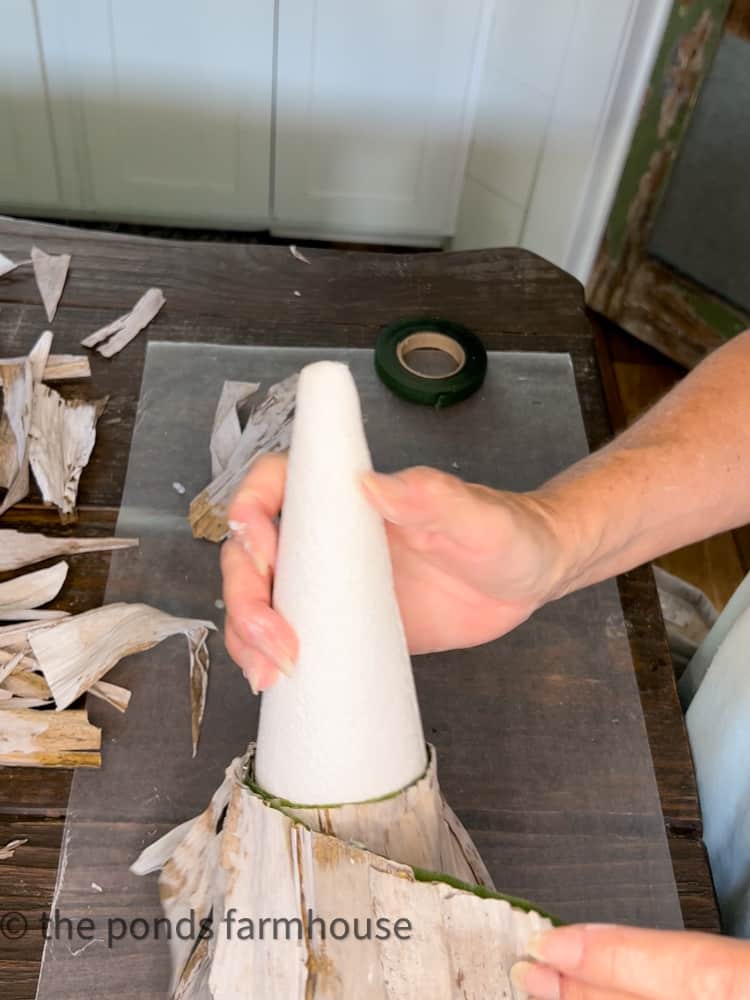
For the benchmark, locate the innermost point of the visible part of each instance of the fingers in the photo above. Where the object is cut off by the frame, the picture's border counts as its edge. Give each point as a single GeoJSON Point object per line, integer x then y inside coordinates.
{"type": "Point", "coordinates": [258, 640]}
{"type": "Point", "coordinates": [650, 965]}
{"type": "Point", "coordinates": [543, 983]}
{"type": "Point", "coordinates": [259, 671]}
{"type": "Point", "coordinates": [418, 498]}
{"type": "Point", "coordinates": [253, 627]}
{"type": "Point", "coordinates": [255, 505]}
{"type": "Point", "coordinates": [263, 486]}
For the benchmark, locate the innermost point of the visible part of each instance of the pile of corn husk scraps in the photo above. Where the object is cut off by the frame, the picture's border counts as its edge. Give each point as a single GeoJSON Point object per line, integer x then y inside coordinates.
{"type": "Point", "coordinates": [51, 659]}
{"type": "Point", "coordinates": [41, 431]}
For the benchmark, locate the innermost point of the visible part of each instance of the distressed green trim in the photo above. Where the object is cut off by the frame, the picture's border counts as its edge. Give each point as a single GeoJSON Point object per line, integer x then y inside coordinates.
{"type": "Point", "coordinates": [646, 141]}
{"type": "Point", "coordinates": [726, 320]}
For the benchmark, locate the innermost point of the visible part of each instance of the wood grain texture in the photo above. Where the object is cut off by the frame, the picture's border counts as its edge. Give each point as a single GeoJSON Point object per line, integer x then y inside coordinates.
{"type": "Point", "coordinates": [27, 883]}
{"type": "Point", "coordinates": [237, 295]}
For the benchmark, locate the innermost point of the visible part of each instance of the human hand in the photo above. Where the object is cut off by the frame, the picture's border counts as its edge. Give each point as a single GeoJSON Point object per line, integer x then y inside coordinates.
{"type": "Point", "coordinates": [601, 962]}
{"type": "Point", "coordinates": [469, 563]}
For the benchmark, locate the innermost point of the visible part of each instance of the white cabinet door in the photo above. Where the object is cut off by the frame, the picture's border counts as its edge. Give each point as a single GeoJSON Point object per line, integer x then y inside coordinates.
{"type": "Point", "coordinates": [162, 108]}
{"type": "Point", "coordinates": [28, 175]}
{"type": "Point", "coordinates": [373, 106]}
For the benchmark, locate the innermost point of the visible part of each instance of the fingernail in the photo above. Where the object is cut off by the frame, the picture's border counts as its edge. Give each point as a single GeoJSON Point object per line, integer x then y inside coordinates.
{"type": "Point", "coordinates": [258, 634]}
{"type": "Point", "coordinates": [252, 679]}
{"type": "Point", "coordinates": [286, 666]}
{"type": "Point", "coordinates": [536, 980]}
{"type": "Point", "coordinates": [260, 563]}
{"type": "Point", "coordinates": [561, 948]}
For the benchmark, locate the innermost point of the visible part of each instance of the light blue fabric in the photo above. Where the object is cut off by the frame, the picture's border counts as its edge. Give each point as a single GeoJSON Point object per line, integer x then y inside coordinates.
{"type": "Point", "coordinates": [701, 661]}
{"type": "Point", "coordinates": [718, 724]}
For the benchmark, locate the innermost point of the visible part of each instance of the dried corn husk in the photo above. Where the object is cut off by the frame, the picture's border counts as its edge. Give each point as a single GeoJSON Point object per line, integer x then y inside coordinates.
{"type": "Point", "coordinates": [297, 254]}
{"type": "Point", "coordinates": [78, 652]}
{"type": "Point", "coordinates": [64, 367]}
{"type": "Point", "coordinates": [226, 431]}
{"type": "Point", "coordinates": [114, 695]}
{"type": "Point", "coordinates": [27, 684]}
{"type": "Point", "coordinates": [268, 428]}
{"type": "Point", "coordinates": [62, 437]}
{"type": "Point", "coordinates": [10, 849]}
{"type": "Point", "coordinates": [15, 702]}
{"type": "Point", "coordinates": [121, 331]}
{"type": "Point", "coordinates": [31, 590]}
{"type": "Point", "coordinates": [15, 637]}
{"type": "Point", "coordinates": [21, 548]}
{"type": "Point", "coordinates": [60, 367]}
{"type": "Point", "coordinates": [7, 265]}
{"type": "Point", "coordinates": [48, 739]}
{"type": "Point", "coordinates": [10, 662]}
{"type": "Point", "coordinates": [18, 377]}
{"type": "Point", "coordinates": [50, 273]}
{"type": "Point", "coordinates": [269, 864]}
{"type": "Point", "coordinates": [416, 827]}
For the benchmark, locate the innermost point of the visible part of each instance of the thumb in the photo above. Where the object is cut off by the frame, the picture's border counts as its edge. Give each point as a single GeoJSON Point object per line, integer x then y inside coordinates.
{"type": "Point", "coordinates": [417, 497]}
{"type": "Point", "coordinates": [628, 961]}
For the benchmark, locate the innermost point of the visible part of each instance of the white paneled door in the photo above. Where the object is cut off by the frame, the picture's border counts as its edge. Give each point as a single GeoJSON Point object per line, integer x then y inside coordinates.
{"type": "Point", "coordinates": [162, 108]}
{"type": "Point", "coordinates": [373, 111]}
{"type": "Point", "coordinates": [28, 174]}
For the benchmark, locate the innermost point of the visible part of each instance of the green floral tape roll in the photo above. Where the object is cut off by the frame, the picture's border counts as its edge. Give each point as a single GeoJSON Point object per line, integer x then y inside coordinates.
{"type": "Point", "coordinates": [430, 361]}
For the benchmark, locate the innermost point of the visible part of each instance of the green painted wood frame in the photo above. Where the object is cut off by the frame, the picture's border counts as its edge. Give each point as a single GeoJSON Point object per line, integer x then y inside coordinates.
{"type": "Point", "coordinates": [640, 293]}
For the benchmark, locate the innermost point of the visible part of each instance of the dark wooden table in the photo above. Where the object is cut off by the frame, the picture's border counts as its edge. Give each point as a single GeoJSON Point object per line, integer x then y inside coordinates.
{"type": "Point", "coordinates": [513, 299]}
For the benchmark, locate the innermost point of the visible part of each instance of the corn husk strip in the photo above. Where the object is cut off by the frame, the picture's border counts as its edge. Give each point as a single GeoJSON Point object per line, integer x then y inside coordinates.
{"type": "Point", "coordinates": [50, 273]}
{"type": "Point", "coordinates": [19, 377]}
{"type": "Point", "coordinates": [226, 431]}
{"type": "Point", "coordinates": [14, 428]}
{"type": "Point", "coordinates": [27, 684]}
{"type": "Point", "coordinates": [33, 615]}
{"type": "Point", "coordinates": [16, 637]}
{"type": "Point", "coordinates": [121, 331]}
{"type": "Point", "coordinates": [49, 739]}
{"type": "Point", "coordinates": [62, 437]}
{"type": "Point", "coordinates": [15, 701]}
{"type": "Point", "coordinates": [31, 590]}
{"type": "Point", "coordinates": [64, 367]}
{"type": "Point", "coordinates": [7, 265]}
{"type": "Point", "coordinates": [268, 428]}
{"type": "Point", "coordinates": [114, 695]}
{"type": "Point", "coordinates": [7, 852]}
{"type": "Point", "coordinates": [78, 652]}
{"type": "Point", "coordinates": [297, 254]}
{"type": "Point", "coordinates": [60, 367]}
{"type": "Point", "coordinates": [21, 548]}
{"type": "Point", "coordinates": [9, 663]}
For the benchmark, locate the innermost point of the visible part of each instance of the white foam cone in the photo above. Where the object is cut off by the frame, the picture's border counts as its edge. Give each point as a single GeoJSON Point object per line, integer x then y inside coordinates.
{"type": "Point", "coordinates": [345, 727]}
